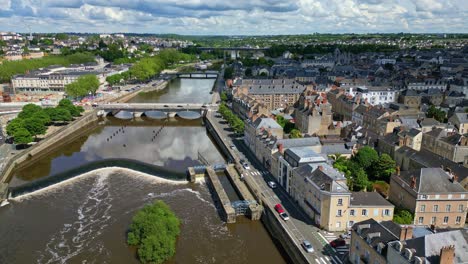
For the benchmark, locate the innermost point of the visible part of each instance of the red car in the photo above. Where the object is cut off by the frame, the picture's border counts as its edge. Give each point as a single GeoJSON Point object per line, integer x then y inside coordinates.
{"type": "Point", "coordinates": [279, 208]}
{"type": "Point", "coordinates": [338, 243]}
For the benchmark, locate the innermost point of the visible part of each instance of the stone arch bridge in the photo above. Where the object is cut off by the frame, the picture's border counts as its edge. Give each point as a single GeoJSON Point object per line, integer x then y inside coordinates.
{"type": "Point", "coordinates": [154, 110]}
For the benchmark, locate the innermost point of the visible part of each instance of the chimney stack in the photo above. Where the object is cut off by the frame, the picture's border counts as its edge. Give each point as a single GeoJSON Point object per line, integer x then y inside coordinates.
{"type": "Point", "coordinates": [280, 148]}
{"type": "Point", "coordinates": [406, 232]}
{"type": "Point", "coordinates": [320, 167]}
{"type": "Point", "coordinates": [397, 170]}
{"type": "Point", "coordinates": [447, 254]}
{"type": "Point", "coordinates": [413, 182]}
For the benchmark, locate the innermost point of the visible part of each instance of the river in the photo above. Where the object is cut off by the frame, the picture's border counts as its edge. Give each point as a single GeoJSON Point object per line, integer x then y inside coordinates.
{"type": "Point", "coordinates": [85, 219]}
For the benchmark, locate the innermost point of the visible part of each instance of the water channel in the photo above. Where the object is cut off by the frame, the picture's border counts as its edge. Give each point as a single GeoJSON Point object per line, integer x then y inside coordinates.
{"type": "Point", "coordinates": [84, 220]}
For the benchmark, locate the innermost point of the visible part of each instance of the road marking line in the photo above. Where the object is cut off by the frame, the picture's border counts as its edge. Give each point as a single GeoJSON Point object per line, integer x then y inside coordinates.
{"type": "Point", "coordinates": [333, 261]}
{"type": "Point", "coordinates": [324, 262]}
{"type": "Point", "coordinates": [337, 259]}
{"type": "Point", "coordinates": [316, 260]}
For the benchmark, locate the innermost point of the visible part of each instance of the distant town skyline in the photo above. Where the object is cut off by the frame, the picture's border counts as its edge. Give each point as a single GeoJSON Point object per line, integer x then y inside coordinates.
{"type": "Point", "coordinates": [242, 17]}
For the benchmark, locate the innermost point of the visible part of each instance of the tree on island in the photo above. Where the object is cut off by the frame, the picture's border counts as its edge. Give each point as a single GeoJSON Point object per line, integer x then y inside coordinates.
{"type": "Point", "coordinates": [154, 230]}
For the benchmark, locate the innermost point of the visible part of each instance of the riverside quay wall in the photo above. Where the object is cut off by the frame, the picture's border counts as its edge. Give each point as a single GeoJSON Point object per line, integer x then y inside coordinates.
{"type": "Point", "coordinates": [269, 217]}
{"type": "Point", "coordinates": [62, 136]}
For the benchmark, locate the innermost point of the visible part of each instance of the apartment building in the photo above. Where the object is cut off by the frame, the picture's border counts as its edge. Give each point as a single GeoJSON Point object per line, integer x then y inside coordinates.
{"type": "Point", "coordinates": [247, 107]}
{"type": "Point", "coordinates": [273, 93]}
{"type": "Point", "coordinates": [369, 240]}
{"type": "Point", "coordinates": [375, 95]}
{"type": "Point", "coordinates": [313, 115]}
{"type": "Point", "coordinates": [452, 146]}
{"type": "Point", "coordinates": [460, 120]}
{"type": "Point", "coordinates": [388, 243]}
{"type": "Point", "coordinates": [433, 195]}
{"type": "Point", "coordinates": [323, 194]}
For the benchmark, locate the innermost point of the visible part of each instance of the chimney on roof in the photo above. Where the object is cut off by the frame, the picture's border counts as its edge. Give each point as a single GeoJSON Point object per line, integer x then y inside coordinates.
{"type": "Point", "coordinates": [397, 170]}
{"type": "Point", "coordinates": [320, 167]}
{"type": "Point", "coordinates": [280, 148]}
{"type": "Point", "coordinates": [447, 254]}
{"type": "Point", "coordinates": [413, 182]}
{"type": "Point", "coordinates": [406, 232]}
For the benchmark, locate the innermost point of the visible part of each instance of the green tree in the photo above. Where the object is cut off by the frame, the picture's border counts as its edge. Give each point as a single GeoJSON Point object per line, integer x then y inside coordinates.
{"type": "Point", "coordinates": [248, 72]}
{"type": "Point", "coordinates": [366, 156]}
{"type": "Point", "coordinates": [35, 126]}
{"type": "Point", "coordinates": [14, 125]}
{"type": "Point", "coordinates": [228, 73]}
{"type": "Point", "coordinates": [224, 97]}
{"type": "Point", "coordinates": [337, 158]}
{"type": "Point", "coordinates": [295, 133]}
{"type": "Point", "coordinates": [154, 230]}
{"type": "Point", "coordinates": [383, 168]}
{"type": "Point", "coordinates": [437, 114]}
{"type": "Point", "coordinates": [83, 86]}
{"type": "Point", "coordinates": [68, 105]}
{"type": "Point", "coordinates": [359, 180]}
{"type": "Point", "coordinates": [288, 127]}
{"type": "Point", "coordinates": [61, 36]}
{"type": "Point", "coordinates": [29, 110]}
{"type": "Point", "coordinates": [22, 136]}
{"type": "Point", "coordinates": [43, 116]}
{"type": "Point", "coordinates": [58, 114]}
{"type": "Point", "coordinates": [403, 217]}
{"type": "Point", "coordinates": [281, 121]}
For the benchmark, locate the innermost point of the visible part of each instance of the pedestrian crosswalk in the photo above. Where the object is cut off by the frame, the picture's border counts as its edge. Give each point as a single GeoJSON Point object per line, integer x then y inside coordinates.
{"type": "Point", "coordinates": [259, 173]}
{"type": "Point", "coordinates": [330, 236]}
{"type": "Point", "coordinates": [328, 260]}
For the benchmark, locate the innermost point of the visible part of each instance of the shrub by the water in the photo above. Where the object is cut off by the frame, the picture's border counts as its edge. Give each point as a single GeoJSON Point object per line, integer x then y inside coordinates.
{"type": "Point", "coordinates": [154, 230]}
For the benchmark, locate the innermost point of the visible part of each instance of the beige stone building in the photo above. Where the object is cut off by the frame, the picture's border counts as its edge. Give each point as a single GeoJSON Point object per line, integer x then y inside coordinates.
{"type": "Point", "coordinates": [433, 195]}
{"type": "Point", "coordinates": [313, 115]}
{"type": "Point", "coordinates": [273, 93]}
{"type": "Point", "coordinates": [452, 146]}
{"type": "Point", "coordinates": [322, 192]}
{"type": "Point", "coordinates": [460, 120]}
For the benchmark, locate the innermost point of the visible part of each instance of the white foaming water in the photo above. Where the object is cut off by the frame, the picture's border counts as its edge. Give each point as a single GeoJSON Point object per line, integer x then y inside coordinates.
{"type": "Point", "coordinates": [92, 216]}
{"type": "Point", "coordinates": [108, 170]}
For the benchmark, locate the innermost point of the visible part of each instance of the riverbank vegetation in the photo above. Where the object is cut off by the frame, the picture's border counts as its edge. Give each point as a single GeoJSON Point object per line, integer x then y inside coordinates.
{"type": "Point", "coordinates": [10, 68]}
{"type": "Point", "coordinates": [33, 120]}
{"type": "Point", "coordinates": [234, 121]}
{"type": "Point", "coordinates": [148, 67]}
{"type": "Point", "coordinates": [365, 169]}
{"type": "Point", "coordinates": [154, 230]}
{"type": "Point", "coordinates": [83, 86]}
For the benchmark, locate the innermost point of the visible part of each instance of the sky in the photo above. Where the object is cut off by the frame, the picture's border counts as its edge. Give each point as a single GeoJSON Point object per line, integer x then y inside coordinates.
{"type": "Point", "coordinates": [235, 17]}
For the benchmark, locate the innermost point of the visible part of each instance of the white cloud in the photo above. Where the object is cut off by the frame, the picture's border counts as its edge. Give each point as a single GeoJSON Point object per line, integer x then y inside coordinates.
{"type": "Point", "coordinates": [235, 17]}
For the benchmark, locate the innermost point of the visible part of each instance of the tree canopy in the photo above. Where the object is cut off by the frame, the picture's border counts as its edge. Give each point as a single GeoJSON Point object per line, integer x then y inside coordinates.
{"type": "Point", "coordinates": [366, 156]}
{"type": "Point", "coordinates": [154, 230]}
{"type": "Point", "coordinates": [10, 68]}
{"type": "Point", "coordinates": [83, 86]}
{"type": "Point", "coordinates": [403, 217]}
{"type": "Point", "coordinates": [437, 114]}
{"type": "Point", "coordinates": [234, 121]}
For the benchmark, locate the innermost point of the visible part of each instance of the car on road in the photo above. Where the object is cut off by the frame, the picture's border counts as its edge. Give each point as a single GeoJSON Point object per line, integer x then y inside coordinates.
{"type": "Point", "coordinates": [232, 147]}
{"type": "Point", "coordinates": [272, 184]}
{"type": "Point", "coordinates": [285, 216]}
{"type": "Point", "coordinates": [166, 106]}
{"type": "Point", "coordinates": [179, 106]}
{"type": "Point", "coordinates": [246, 166]}
{"type": "Point", "coordinates": [279, 208]}
{"type": "Point", "coordinates": [346, 235]}
{"type": "Point", "coordinates": [338, 243]}
{"type": "Point", "coordinates": [307, 246]}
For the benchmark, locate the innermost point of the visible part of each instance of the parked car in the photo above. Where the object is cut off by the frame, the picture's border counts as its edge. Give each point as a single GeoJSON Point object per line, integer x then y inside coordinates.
{"type": "Point", "coordinates": [338, 243]}
{"type": "Point", "coordinates": [272, 184]}
{"type": "Point", "coordinates": [246, 166]}
{"type": "Point", "coordinates": [307, 246]}
{"type": "Point", "coordinates": [346, 235]}
{"type": "Point", "coordinates": [233, 147]}
{"type": "Point", "coordinates": [279, 208]}
{"type": "Point", "coordinates": [285, 216]}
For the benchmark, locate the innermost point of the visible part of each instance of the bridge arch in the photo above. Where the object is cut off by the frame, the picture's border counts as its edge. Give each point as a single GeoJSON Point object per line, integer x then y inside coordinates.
{"type": "Point", "coordinates": [155, 114]}
{"type": "Point", "coordinates": [191, 115]}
